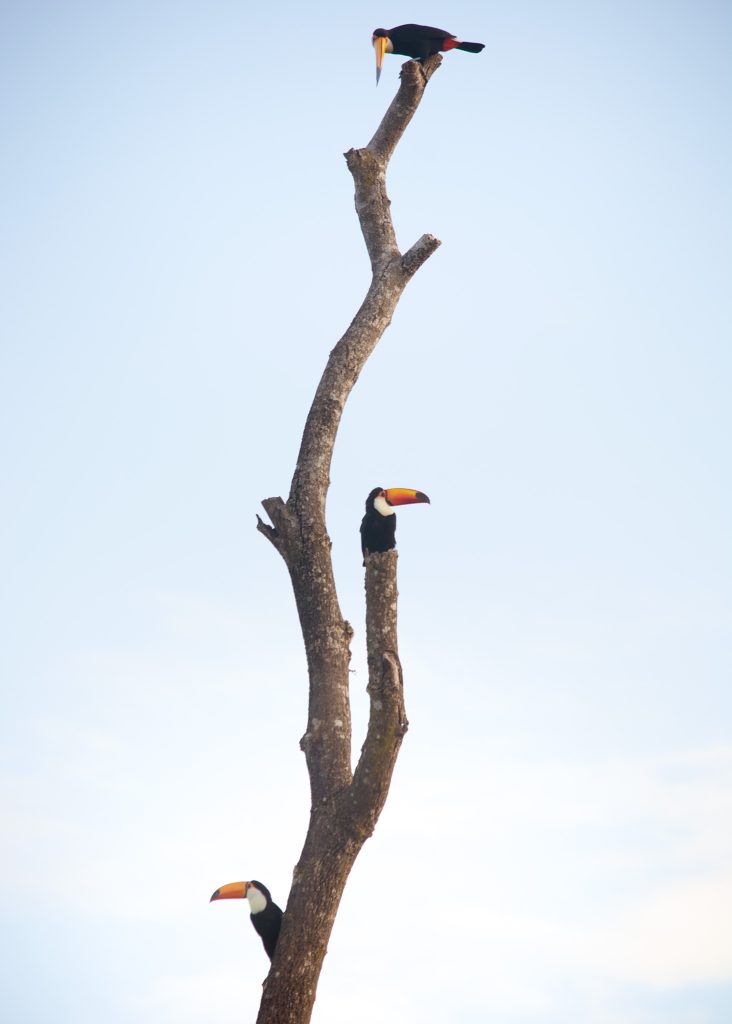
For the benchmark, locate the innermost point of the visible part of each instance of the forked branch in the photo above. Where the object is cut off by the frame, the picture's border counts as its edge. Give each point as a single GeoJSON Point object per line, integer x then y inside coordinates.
{"type": "Point", "coordinates": [344, 808]}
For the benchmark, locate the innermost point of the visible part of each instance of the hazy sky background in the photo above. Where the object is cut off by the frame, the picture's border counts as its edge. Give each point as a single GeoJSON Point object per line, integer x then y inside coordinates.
{"type": "Point", "coordinates": [180, 253]}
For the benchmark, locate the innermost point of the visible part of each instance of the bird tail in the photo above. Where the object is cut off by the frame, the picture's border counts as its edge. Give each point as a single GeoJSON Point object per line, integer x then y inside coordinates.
{"type": "Point", "coordinates": [470, 47]}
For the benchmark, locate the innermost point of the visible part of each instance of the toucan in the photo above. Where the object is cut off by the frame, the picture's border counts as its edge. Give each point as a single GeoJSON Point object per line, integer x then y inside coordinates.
{"type": "Point", "coordinates": [378, 526]}
{"type": "Point", "coordinates": [266, 916]}
{"type": "Point", "coordinates": [416, 41]}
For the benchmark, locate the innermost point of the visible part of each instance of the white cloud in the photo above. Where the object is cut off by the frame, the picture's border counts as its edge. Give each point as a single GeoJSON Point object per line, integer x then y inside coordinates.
{"type": "Point", "coordinates": [616, 875]}
{"type": "Point", "coordinates": [681, 935]}
{"type": "Point", "coordinates": [582, 876]}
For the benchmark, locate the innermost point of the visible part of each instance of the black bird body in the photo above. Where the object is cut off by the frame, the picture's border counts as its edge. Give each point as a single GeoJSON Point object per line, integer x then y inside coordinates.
{"type": "Point", "coordinates": [422, 41]}
{"type": "Point", "coordinates": [378, 526]}
{"type": "Point", "coordinates": [378, 532]}
{"type": "Point", "coordinates": [267, 922]}
{"type": "Point", "coordinates": [265, 915]}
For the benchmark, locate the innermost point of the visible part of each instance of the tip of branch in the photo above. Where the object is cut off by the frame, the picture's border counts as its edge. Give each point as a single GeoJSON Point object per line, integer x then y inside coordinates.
{"type": "Point", "coordinates": [421, 251]}
{"type": "Point", "coordinates": [420, 71]}
{"type": "Point", "coordinates": [414, 77]}
{"type": "Point", "coordinates": [269, 531]}
{"type": "Point", "coordinates": [380, 582]}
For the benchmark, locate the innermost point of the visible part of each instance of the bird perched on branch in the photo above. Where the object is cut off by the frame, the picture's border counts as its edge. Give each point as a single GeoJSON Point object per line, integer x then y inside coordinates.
{"type": "Point", "coordinates": [378, 526]}
{"type": "Point", "coordinates": [417, 42]}
{"type": "Point", "coordinates": [266, 916]}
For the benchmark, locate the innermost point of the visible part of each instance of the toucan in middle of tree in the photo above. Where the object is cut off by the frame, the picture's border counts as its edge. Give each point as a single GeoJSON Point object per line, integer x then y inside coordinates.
{"type": "Point", "coordinates": [378, 526]}
{"type": "Point", "coordinates": [417, 42]}
{"type": "Point", "coordinates": [266, 916]}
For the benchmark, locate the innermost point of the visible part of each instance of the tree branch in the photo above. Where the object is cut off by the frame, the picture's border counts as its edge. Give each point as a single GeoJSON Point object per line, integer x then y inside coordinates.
{"type": "Point", "coordinates": [387, 715]}
{"type": "Point", "coordinates": [420, 252]}
{"type": "Point", "coordinates": [344, 809]}
{"type": "Point", "coordinates": [391, 274]}
{"type": "Point", "coordinates": [414, 78]}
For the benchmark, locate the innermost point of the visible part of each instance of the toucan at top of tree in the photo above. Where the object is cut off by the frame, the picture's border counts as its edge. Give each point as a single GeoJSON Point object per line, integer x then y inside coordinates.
{"type": "Point", "coordinates": [417, 42]}
{"type": "Point", "coordinates": [266, 916]}
{"type": "Point", "coordinates": [378, 526]}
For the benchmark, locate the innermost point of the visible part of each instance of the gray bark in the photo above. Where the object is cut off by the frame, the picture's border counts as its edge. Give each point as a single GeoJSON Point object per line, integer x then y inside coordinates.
{"type": "Point", "coordinates": [345, 807]}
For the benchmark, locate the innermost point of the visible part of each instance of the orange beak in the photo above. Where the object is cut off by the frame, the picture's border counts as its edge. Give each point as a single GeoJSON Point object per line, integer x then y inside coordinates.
{"type": "Point", "coordinates": [404, 496]}
{"type": "Point", "coordinates": [380, 47]}
{"type": "Point", "coordinates": [232, 891]}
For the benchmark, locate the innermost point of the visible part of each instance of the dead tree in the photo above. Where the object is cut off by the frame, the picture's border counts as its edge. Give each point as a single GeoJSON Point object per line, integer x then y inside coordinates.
{"type": "Point", "coordinates": [345, 805]}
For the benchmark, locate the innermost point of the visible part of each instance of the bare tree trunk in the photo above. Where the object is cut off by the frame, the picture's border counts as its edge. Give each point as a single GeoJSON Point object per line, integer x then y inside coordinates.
{"type": "Point", "coordinates": [345, 806]}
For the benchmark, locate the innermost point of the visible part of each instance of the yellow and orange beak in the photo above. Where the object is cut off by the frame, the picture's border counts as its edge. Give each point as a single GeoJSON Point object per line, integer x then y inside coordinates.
{"type": "Point", "coordinates": [405, 496]}
{"type": "Point", "coordinates": [232, 891]}
{"type": "Point", "coordinates": [380, 47]}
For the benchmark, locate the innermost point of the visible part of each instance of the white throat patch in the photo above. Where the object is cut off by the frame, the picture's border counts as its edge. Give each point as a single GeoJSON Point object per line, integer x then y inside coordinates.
{"type": "Point", "coordinates": [383, 506]}
{"type": "Point", "coordinates": [256, 899]}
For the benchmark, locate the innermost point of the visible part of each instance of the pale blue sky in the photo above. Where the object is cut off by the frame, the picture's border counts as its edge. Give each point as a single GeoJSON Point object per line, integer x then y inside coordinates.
{"type": "Point", "coordinates": [180, 253]}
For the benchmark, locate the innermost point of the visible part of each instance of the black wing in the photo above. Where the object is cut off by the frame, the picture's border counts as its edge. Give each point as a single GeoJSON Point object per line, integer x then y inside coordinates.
{"type": "Point", "coordinates": [267, 926]}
